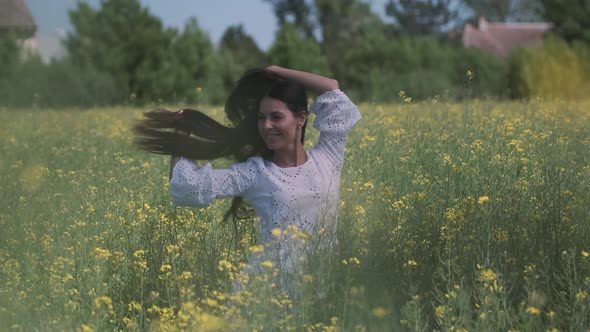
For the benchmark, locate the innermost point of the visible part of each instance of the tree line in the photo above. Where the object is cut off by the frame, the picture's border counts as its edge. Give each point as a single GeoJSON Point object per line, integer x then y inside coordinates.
{"type": "Point", "coordinates": [120, 53]}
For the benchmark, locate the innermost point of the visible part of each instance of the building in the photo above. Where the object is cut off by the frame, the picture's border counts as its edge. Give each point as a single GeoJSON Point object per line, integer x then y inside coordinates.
{"type": "Point", "coordinates": [500, 38]}
{"type": "Point", "coordinates": [15, 17]}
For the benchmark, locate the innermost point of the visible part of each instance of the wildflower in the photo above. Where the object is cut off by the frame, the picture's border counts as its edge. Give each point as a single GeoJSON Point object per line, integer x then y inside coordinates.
{"type": "Point", "coordinates": [441, 310]}
{"type": "Point", "coordinates": [487, 275]}
{"type": "Point", "coordinates": [103, 300]}
{"type": "Point", "coordinates": [411, 262]}
{"type": "Point", "coordinates": [86, 328]}
{"type": "Point", "coordinates": [276, 232]}
{"type": "Point", "coordinates": [359, 210]}
{"type": "Point", "coordinates": [469, 74]}
{"type": "Point", "coordinates": [102, 253]}
{"type": "Point", "coordinates": [257, 248]}
{"type": "Point", "coordinates": [379, 312]}
{"type": "Point", "coordinates": [533, 311]}
{"type": "Point", "coordinates": [581, 295]}
{"type": "Point", "coordinates": [267, 263]}
{"type": "Point", "coordinates": [482, 199]}
{"type": "Point", "coordinates": [165, 268]}
{"type": "Point", "coordinates": [585, 253]}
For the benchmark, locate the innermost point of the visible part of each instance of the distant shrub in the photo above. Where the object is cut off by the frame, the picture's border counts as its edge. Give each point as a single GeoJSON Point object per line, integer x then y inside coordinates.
{"type": "Point", "coordinates": [554, 70]}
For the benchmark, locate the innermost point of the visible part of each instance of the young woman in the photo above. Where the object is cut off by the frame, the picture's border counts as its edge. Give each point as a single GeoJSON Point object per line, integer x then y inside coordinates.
{"type": "Point", "coordinates": [287, 186]}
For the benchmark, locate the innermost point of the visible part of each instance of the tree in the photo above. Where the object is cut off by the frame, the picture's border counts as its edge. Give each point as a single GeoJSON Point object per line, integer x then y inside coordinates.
{"type": "Point", "coordinates": [504, 10]}
{"type": "Point", "coordinates": [344, 24]}
{"type": "Point", "coordinates": [297, 13]}
{"type": "Point", "coordinates": [294, 51]}
{"type": "Point", "coordinates": [571, 18]}
{"type": "Point", "coordinates": [242, 47]}
{"type": "Point", "coordinates": [123, 39]}
{"type": "Point", "coordinates": [423, 17]}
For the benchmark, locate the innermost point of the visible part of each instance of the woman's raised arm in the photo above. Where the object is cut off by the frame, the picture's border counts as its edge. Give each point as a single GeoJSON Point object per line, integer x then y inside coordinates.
{"type": "Point", "coordinates": [316, 83]}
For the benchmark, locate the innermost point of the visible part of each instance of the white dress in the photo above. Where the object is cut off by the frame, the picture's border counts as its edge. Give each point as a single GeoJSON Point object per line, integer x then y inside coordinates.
{"type": "Point", "coordinates": [304, 196]}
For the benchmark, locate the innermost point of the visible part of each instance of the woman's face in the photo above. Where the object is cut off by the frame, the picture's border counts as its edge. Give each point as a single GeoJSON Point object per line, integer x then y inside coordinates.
{"type": "Point", "coordinates": [277, 124]}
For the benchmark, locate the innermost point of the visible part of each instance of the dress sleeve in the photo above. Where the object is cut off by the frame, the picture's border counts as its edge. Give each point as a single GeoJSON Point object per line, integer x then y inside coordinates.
{"type": "Point", "coordinates": [335, 116]}
{"type": "Point", "coordinates": [193, 185]}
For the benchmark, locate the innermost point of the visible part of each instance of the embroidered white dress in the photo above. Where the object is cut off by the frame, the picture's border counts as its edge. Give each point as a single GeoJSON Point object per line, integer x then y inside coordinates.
{"type": "Point", "coordinates": [304, 196]}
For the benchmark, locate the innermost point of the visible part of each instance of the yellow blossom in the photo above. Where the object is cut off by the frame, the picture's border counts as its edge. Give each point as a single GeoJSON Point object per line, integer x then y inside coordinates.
{"type": "Point", "coordinates": [267, 263]}
{"type": "Point", "coordinates": [276, 232]}
{"type": "Point", "coordinates": [482, 199]}
{"type": "Point", "coordinates": [533, 311]}
{"type": "Point", "coordinates": [359, 210]}
{"type": "Point", "coordinates": [487, 275]}
{"type": "Point", "coordinates": [379, 312]}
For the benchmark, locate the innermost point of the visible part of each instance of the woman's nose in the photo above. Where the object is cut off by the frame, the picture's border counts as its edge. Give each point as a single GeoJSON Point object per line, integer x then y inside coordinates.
{"type": "Point", "coordinates": [266, 123]}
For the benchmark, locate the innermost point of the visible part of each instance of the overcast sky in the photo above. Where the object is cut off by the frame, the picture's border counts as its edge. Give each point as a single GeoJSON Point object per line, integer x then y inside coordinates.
{"type": "Point", "coordinates": [214, 16]}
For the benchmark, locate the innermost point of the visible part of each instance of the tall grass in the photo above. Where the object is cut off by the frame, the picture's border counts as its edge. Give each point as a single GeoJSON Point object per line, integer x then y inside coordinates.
{"type": "Point", "coordinates": [468, 216]}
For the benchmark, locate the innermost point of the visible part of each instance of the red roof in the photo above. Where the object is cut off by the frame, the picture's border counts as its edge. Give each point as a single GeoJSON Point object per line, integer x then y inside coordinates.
{"type": "Point", "coordinates": [501, 38]}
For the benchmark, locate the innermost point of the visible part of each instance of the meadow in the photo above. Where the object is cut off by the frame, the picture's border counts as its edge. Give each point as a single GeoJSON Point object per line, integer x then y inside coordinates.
{"type": "Point", "coordinates": [468, 216]}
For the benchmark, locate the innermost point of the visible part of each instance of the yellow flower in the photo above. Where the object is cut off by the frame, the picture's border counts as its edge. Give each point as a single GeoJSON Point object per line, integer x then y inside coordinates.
{"type": "Point", "coordinates": [103, 253]}
{"type": "Point", "coordinates": [276, 232]}
{"type": "Point", "coordinates": [360, 210]}
{"type": "Point", "coordinates": [581, 295]}
{"type": "Point", "coordinates": [585, 253]}
{"type": "Point", "coordinates": [165, 268]}
{"type": "Point", "coordinates": [483, 199]}
{"type": "Point", "coordinates": [487, 275]}
{"type": "Point", "coordinates": [411, 262]}
{"type": "Point", "coordinates": [103, 300]}
{"type": "Point", "coordinates": [533, 311]}
{"type": "Point", "coordinates": [441, 310]}
{"type": "Point", "coordinates": [379, 312]}
{"type": "Point", "coordinates": [267, 264]}
{"type": "Point", "coordinates": [86, 328]}
{"type": "Point", "coordinates": [258, 248]}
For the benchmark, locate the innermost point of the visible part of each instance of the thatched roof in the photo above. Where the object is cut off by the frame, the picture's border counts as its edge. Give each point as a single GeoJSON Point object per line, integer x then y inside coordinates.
{"type": "Point", "coordinates": [501, 38]}
{"type": "Point", "coordinates": [16, 16]}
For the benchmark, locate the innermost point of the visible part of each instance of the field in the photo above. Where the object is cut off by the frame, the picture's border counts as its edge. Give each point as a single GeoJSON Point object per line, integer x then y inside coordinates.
{"type": "Point", "coordinates": [454, 216]}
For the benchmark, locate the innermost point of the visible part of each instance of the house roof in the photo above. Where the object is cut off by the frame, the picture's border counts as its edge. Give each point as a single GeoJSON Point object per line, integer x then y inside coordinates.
{"type": "Point", "coordinates": [16, 16]}
{"type": "Point", "coordinates": [501, 38]}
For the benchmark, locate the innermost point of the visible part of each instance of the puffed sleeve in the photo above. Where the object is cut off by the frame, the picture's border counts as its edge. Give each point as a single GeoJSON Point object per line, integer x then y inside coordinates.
{"type": "Point", "coordinates": [192, 185]}
{"type": "Point", "coordinates": [335, 116]}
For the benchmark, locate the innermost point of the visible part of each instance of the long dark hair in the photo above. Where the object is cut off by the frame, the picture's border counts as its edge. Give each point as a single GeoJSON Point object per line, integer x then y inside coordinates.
{"type": "Point", "coordinates": [165, 132]}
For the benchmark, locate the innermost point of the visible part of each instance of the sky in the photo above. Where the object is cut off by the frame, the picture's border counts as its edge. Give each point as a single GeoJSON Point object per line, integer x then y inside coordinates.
{"type": "Point", "coordinates": [214, 16]}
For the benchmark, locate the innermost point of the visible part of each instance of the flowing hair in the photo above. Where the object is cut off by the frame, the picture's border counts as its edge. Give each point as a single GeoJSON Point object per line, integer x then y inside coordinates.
{"type": "Point", "coordinates": [194, 135]}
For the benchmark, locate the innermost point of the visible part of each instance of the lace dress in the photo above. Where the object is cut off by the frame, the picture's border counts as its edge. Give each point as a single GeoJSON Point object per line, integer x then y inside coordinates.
{"type": "Point", "coordinates": [304, 197]}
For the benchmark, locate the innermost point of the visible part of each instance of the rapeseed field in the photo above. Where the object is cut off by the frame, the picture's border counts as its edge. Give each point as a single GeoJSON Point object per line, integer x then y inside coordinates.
{"type": "Point", "coordinates": [466, 216]}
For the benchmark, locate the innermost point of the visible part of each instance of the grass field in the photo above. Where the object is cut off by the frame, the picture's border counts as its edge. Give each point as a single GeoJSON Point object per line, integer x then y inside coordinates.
{"type": "Point", "coordinates": [454, 217]}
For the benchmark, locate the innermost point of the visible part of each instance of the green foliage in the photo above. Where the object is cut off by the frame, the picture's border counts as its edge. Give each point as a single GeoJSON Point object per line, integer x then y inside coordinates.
{"type": "Point", "coordinates": [243, 48]}
{"type": "Point", "coordinates": [555, 70]}
{"type": "Point", "coordinates": [421, 17]}
{"type": "Point", "coordinates": [294, 51]}
{"type": "Point", "coordinates": [27, 82]}
{"type": "Point", "coordinates": [379, 67]}
{"type": "Point", "coordinates": [126, 41]}
{"type": "Point", "coordinates": [569, 17]}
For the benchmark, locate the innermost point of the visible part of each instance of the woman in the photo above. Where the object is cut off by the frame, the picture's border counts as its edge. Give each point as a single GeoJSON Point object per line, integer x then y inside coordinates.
{"type": "Point", "coordinates": [287, 186]}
